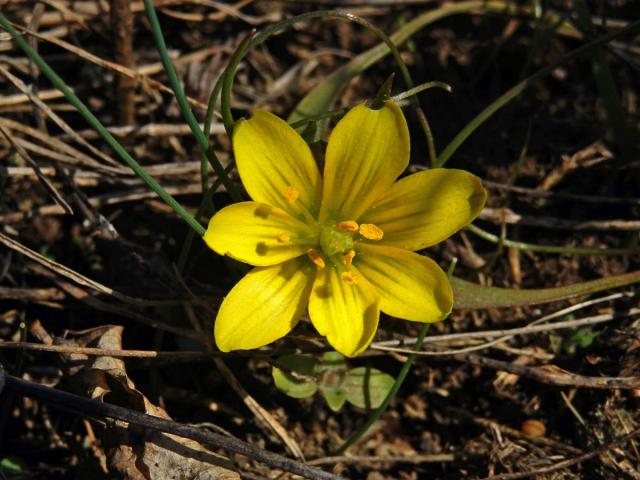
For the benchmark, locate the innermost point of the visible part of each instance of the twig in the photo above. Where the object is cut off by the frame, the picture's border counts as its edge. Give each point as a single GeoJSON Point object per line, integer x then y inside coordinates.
{"type": "Point", "coordinates": [532, 192]}
{"type": "Point", "coordinates": [415, 459]}
{"type": "Point", "coordinates": [73, 275]}
{"type": "Point", "coordinates": [92, 408]}
{"type": "Point", "coordinates": [32, 294]}
{"type": "Point", "coordinates": [20, 85]}
{"type": "Point", "coordinates": [550, 374]}
{"type": "Point", "coordinates": [38, 347]}
{"type": "Point", "coordinates": [506, 215]}
{"type": "Point", "coordinates": [513, 331]}
{"type": "Point", "coordinates": [505, 335]}
{"type": "Point", "coordinates": [36, 168]}
{"type": "Point", "coordinates": [260, 412]}
{"type": "Point", "coordinates": [122, 27]}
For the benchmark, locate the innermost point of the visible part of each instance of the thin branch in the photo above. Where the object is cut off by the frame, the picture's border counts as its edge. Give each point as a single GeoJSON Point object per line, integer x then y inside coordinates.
{"type": "Point", "coordinates": [92, 408]}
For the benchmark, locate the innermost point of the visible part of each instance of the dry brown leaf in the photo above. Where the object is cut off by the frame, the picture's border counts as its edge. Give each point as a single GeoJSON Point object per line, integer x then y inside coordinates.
{"type": "Point", "coordinates": [133, 453]}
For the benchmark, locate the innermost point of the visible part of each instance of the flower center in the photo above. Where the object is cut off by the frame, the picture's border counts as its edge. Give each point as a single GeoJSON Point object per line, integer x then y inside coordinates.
{"type": "Point", "coordinates": [334, 239]}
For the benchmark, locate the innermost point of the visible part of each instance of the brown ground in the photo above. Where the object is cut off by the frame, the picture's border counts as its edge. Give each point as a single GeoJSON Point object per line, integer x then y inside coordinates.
{"type": "Point", "coordinates": [455, 417]}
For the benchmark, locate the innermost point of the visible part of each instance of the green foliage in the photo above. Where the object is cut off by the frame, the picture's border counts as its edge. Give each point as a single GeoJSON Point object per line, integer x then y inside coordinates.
{"type": "Point", "coordinates": [300, 376]}
{"type": "Point", "coordinates": [11, 465]}
{"type": "Point", "coordinates": [295, 377]}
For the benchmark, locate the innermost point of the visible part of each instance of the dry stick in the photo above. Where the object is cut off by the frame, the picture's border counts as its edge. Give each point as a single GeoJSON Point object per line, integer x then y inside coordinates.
{"type": "Point", "coordinates": [550, 374]}
{"type": "Point", "coordinates": [136, 75]}
{"type": "Point", "coordinates": [10, 100]}
{"type": "Point", "coordinates": [513, 331]}
{"type": "Point", "coordinates": [508, 334]}
{"type": "Point", "coordinates": [532, 192]}
{"type": "Point", "coordinates": [506, 215]}
{"type": "Point", "coordinates": [75, 276]}
{"type": "Point", "coordinates": [92, 408]}
{"type": "Point", "coordinates": [101, 352]}
{"type": "Point", "coordinates": [415, 459]}
{"type": "Point", "coordinates": [34, 24]}
{"type": "Point", "coordinates": [105, 199]}
{"type": "Point", "coordinates": [96, 303]}
{"type": "Point", "coordinates": [151, 130]}
{"type": "Point", "coordinates": [35, 295]}
{"type": "Point", "coordinates": [568, 463]}
{"type": "Point", "coordinates": [72, 155]}
{"type": "Point", "coordinates": [20, 85]}
{"type": "Point", "coordinates": [44, 180]}
{"type": "Point", "coordinates": [122, 26]}
{"type": "Point", "coordinates": [257, 409]}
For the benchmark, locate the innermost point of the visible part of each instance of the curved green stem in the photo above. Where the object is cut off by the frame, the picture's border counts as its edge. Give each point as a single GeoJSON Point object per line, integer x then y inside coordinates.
{"type": "Point", "coordinates": [531, 247]}
{"type": "Point", "coordinates": [250, 43]}
{"type": "Point", "coordinates": [73, 99]}
{"type": "Point", "coordinates": [396, 386]}
{"type": "Point", "coordinates": [517, 89]}
{"type": "Point", "coordinates": [190, 118]}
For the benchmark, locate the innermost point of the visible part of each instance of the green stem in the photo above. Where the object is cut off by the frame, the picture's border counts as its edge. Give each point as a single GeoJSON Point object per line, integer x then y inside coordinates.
{"type": "Point", "coordinates": [252, 42]}
{"type": "Point", "coordinates": [516, 90]}
{"type": "Point", "coordinates": [98, 127]}
{"type": "Point", "coordinates": [404, 371]}
{"type": "Point", "coordinates": [390, 396]}
{"type": "Point", "coordinates": [531, 247]}
{"type": "Point", "coordinates": [190, 118]}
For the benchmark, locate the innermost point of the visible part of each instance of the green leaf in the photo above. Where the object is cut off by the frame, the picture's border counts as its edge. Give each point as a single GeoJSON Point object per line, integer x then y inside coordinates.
{"type": "Point", "coordinates": [367, 387]}
{"type": "Point", "coordinates": [334, 398]}
{"type": "Point", "coordinates": [320, 99]}
{"type": "Point", "coordinates": [333, 361]}
{"type": "Point", "coordinates": [296, 379]}
{"type": "Point", "coordinates": [11, 465]}
{"type": "Point", "coordinates": [580, 338]}
{"type": "Point", "coordinates": [332, 372]}
{"type": "Point", "coordinates": [474, 296]}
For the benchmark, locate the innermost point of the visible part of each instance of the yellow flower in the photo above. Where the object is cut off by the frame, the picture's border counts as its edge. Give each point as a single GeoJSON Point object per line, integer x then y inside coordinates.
{"type": "Point", "coordinates": [342, 244]}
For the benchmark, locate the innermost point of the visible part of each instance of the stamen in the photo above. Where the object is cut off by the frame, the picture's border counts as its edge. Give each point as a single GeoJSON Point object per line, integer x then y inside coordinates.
{"type": "Point", "coordinates": [283, 237]}
{"type": "Point", "coordinates": [348, 226]}
{"type": "Point", "coordinates": [314, 256]}
{"type": "Point", "coordinates": [371, 231]}
{"type": "Point", "coordinates": [348, 257]}
{"type": "Point", "coordinates": [349, 278]}
{"type": "Point", "coordinates": [291, 194]}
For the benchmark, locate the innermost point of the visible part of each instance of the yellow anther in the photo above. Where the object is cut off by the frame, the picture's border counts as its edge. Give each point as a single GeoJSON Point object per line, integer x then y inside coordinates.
{"type": "Point", "coordinates": [291, 194]}
{"type": "Point", "coordinates": [348, 226]}
{"type": "Point", "coordinates": [314, 256]}
{"type": "Point", "coordinates": [371, 231]}
{"type": "Point", "coordinates": [348, 257]}
{"type": "Point", "coordinates": [349, 278]}
{"type": "Point", "coordinates": [283, 237]}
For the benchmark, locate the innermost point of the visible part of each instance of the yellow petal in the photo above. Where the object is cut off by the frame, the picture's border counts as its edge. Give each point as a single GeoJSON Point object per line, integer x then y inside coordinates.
{"type": "Point", "coordinates": [427, 207]}
{"type": "Point", "coordinates": [258, 234]}
{"type": "Point", "coordinates": [264, 306]}
{"type": "Point", "coordinates": [276, 165]}
{"type": "Point", "coordinates": [368, 149]}
{"type": "Point", "coordinates": [346, 312]}
{"type": "Point", "coordinates": [411, 286]}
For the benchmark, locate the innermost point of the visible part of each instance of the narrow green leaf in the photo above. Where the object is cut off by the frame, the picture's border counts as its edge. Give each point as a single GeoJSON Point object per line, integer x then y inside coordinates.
{"type": "Point", "coordinates": [321, 98]}
{"type": "Point", "coordinates": [474, 296]}
{"type": "Point", "coordinates": [296, 379]}
{"type": "Point", "coordinates": [367, 387]}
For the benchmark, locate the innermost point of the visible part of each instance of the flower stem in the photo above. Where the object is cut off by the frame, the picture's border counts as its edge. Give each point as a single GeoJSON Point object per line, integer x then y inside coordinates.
{"type": "Point", "coordinates": [190, 118]}
{"type": "Point", "coordinates": [375, 416]}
